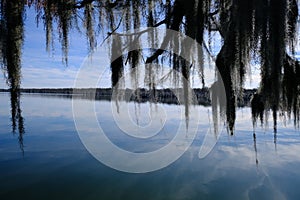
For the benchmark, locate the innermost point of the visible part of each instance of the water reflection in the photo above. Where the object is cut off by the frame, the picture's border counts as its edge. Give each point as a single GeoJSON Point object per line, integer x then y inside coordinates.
{"type": "Point", "coordinates": [16, 116]}
{"type": "Point", "coordinates": [227, 172]}
{"type": "Point", "coordinates": [255, 148]}
{"type": "Point", "coordinates": [275, 139]}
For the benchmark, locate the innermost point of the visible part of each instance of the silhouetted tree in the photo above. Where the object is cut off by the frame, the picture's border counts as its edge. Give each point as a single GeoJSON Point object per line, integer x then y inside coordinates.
{"type": "Point", "coordinates": [252, 31]}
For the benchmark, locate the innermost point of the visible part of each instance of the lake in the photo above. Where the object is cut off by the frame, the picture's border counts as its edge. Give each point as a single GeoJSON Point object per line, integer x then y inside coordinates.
{"type": "Point", "coordinates": [59, 162]}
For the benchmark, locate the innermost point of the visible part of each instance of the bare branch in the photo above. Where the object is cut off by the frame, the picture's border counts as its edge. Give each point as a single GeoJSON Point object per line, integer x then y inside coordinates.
{"type": "Point", "coordinates": [140, 32]}
{"type": "Point", "coordinates": [113, 31]}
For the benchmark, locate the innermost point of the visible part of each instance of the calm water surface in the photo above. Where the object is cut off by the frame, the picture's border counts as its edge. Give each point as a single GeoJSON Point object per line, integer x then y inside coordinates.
{"type": "Point", "coordinates": [56, 165]}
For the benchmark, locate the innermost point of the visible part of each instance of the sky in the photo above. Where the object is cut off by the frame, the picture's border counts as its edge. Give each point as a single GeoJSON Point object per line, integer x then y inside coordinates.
{"type": "Point", "coordinates": [41, 69]}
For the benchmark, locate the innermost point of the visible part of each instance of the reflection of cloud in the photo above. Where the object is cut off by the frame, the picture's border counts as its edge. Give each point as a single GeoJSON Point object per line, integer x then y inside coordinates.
{"type": "Point", "coordinates": [241, 153]}
{"type": "Point", "coordinates": [228, 171]}
{"type": "Point", "coordinates": [37, 106]}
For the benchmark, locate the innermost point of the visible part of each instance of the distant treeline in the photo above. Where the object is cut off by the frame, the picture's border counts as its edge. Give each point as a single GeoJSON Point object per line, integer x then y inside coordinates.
{"type": "Point", "coordinates": [140, 95]}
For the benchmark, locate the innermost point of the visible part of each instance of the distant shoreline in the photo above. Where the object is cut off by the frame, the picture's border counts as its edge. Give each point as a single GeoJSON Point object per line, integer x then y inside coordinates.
{"type": "Point", "coordinates": [139, 95]}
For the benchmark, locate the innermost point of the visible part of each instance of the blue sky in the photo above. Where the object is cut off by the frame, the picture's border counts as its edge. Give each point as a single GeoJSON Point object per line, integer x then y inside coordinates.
{"type": "Point", "coordinates": [41, 69]}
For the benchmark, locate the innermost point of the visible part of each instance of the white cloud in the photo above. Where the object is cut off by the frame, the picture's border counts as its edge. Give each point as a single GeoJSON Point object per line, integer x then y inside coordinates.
{"type": "Point", "coordinates": [47, 77]}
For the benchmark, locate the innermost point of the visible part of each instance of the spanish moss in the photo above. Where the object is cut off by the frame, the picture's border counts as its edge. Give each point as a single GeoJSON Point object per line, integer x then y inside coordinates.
{"type": "Point", "coordinates": [263, 32]}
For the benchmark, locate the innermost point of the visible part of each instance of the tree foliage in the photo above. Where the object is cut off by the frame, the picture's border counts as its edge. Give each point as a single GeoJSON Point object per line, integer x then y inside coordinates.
{"type": "Point", "coordinates": [263, 32]}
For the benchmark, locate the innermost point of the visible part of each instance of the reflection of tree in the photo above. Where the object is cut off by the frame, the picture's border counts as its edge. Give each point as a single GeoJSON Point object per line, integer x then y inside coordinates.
{"type": "Point", "coordinates": [252, 31]}
{"type": "Point", "coordinates": [10, 50]}
{"type": "Point", "coordinates": [16, 115]}
{"type": "Point", "coordinates": [255, 148]}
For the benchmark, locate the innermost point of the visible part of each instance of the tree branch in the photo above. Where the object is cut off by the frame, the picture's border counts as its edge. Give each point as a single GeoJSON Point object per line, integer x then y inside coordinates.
{"type": "Point", "coordinates": [131, 34]}
{"type": "Point", "coordinates": [140, 32]}
{"type": "Point", "coordinates": [178, 16]}
{"type": "Point", "coordinates": [113, 31]}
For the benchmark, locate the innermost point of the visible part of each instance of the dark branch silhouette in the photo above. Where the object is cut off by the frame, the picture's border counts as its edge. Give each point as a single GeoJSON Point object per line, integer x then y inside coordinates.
{"type": "Point", "coordinates": [259, 31]}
